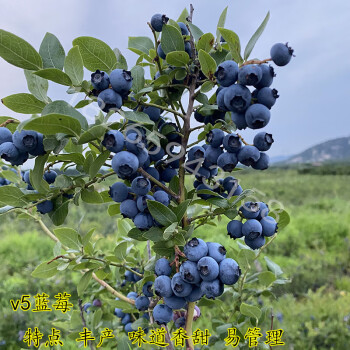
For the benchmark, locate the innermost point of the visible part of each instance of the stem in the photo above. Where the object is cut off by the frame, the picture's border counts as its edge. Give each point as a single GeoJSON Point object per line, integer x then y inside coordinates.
{"type": "Point", "coordinates": [189, 321]}
{"type": "Point", "coordinates": [255, 62]}
{"type": "Point", "coordinates": [156, 45]}
{"type": "Point", "coordinates": [170, 110]}
{"type": "Point", "coordinates": [242, 139]}
{"type": "Point", "coordinates": [197, 128]}
{"type": "Point", "coordinates": [83, 320]}
{"type": "Point", "coordinates": [8, 121]}
{"type": "Point", "coordinates": [168, 338]}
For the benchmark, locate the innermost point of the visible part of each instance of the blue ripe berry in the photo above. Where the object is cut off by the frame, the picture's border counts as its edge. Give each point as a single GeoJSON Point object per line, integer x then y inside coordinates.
{"type": "Point", "coordinates": [134, 143]}
{"type": "Point", "coordinates": [158, 20]}
{"type": "Point", "coordinates": [128, 208]}
{"type": "Point", "coordinates": [147, 289]}
{"type": "Point", "coordinates": [184, 30]}
{"type": "Point", "coordinates": [262, 163]}
{"type": "Point", "coordinates": [220, 100]}
{"type": "Point", "coordinates": [144, 159]}
{"type": "Point", "coordinates": [5, 135]}
{"type": "Point", "coordinates": [229, 271]}
{"type": "Point", "coordinates": [119, 313]}
{"type": "Point", "coordinates": [132, 295]}
{"type": "Point", "coordinates": [50, 176]}
{"type": "Point", "coordinates": [121, 81]}
{"type": "Point", "coordinates": [215, 137]}
{"type": "Point", "coordinates": [86, 306]}
{"type": "Point", "coordinates": [126, 319]}
{"type": "Point", "coordinates": [208, 268]}
{"type": "Point", "coordinates": [119, 192]}
{"type": "Point", "coordinates": [153, 113]}
{"type": "Point", "coordinates": [142, 303]}
{"type": "Point", "coordinates": [227, 161]}
{"type": "Point", "coordinates": [179, 286]}
{"type": "Point", "coordinates": [269, 226]}
{"type": "Point", "coordinates": [162, 267]}
{"type": "Point", "coordinates": [195, 294]}
{"type": "Point", "coordinates": [255, 243]}
{"type": "Point", "coordinates": [230, 183]}
{"type": "Point", "coordinates": [268, 73]}
{"type": "Point", "coordinates": [22, 158]}
{"type": "Point", "coordinates": [195, 249]}
{"type": "Point", "coordinates": [199, 117]}
{"type": "Point", "coordinates": [227, 73]}
{"type": "Point", "coordinates": [162, 197]}
{"type": "Point", "coordinates": [263, 141]}
{"type": "Point", "coordinates": [162, 286]}
{"type": "Point", "coordinates": [9, 152]}
{"type": "Point", "coordinates": [136, 277]}
{"type": "Point", "coordinates": [162, 314]}
{"type": "Point", "coordinates": [167, 174]}
{"type": "Point", "coordinates": [188, 48]}
{"type": "Point", "coordinates": [143, 221]}
{"type": "Point", "coordinates": [160, 52]}
{"type": "Point", "coordinates": [4, 182]}
{"type": "Point", "coordinates": [281, 54]}
{"type": "Point", "coordinates": [141, 202]}
{"type": "Point", "coordinates": [45, 207]}
{"type": "Point", "coordinates": [153, 172]}
{"type": "Point", "coordinates": [267, 96]}
{"type": "Point", "coordinates": [252, 229]}
{"type": "Point", "coordinates": [114, 141]}
{"type": "Point", "coordinates": [257, 116]}
{"type": "Point", "coordinates": [156, 153]}
{"type": "Point", "coordinates": [212, 154]}
{"type": "Point", "coordinates": [212, 289]}
{"type": "Point", "coordinates": [234, 229]}
{"type": "Point", "coordinates": [216, 251]}
{"type": "Point", "coordinates": [26, 177]}
{"type": "Point", "coordinates": [100, 80]}
{"type": "Point", "coordinates": [26, 140]}
{"type": "Point", "coordinates": [250, 74]}
{"type": "Point", "coordinates": [232, 143]}
{"type": "Point", "coordinates": [129, 276]}
{"type": "Point", "coordinates": [189, 272]}
{"type": "Point", "coordinates": [175, 303]}
{"type": "Point", "coordinates": [264, 210]}
{"type": "Point", "coordinates": [202, 173]}
{"type": "Point", "coordinates": [248, 155]}
{"type": "Point", "coordinates": [128, 328]}
{"type": "Point", "coordinates": [239, 120]}
{"type": "Point", "coordinates": [250, 210]}
{"type": "Point", "coordinates": [237, 98]}
{"type": "Point", "coordinates": [109, 100]}
{"type": "Point", "coordinates": [203, 186]}
{"type": "Point", "coordinates": [125, 164]}
{"type": "Point", "coordinates": [196, 152]}
{"type": "Point", "coordinates": [180, 322]}
{"type": "Point", "coordinates": [39, 149]}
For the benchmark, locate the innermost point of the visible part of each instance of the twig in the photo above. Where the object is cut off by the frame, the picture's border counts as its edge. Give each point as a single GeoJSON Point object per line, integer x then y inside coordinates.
{"type": "Point", "coordinates": [156, 46]}
{"type": "Point", "coordinates": [8, 121]}
{"type": "Point", "coordinates": [83, 319]}
{"type": "Point", "coordinates": [173, 111]}
{"type": "Point", "coordinates": [255, 62]}
{"type": "Point", "coordinates": [168, 338]}
{"type": "Point", "coordinates": [244, 141]}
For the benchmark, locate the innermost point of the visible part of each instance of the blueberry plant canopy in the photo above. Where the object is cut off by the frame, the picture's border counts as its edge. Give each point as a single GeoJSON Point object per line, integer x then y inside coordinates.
{"type": "Point", "coordinates": [165, 134]}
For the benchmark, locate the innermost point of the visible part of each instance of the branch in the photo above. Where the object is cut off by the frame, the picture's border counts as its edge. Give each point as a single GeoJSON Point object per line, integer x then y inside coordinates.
{"type": "Point", "coordinates": [162, 108]}
{"type": "Point", "coordinates": [8, 121]}
{"type": "Point", "coordinates": [255, 62]}
{"type": "Point", "coordinates": [189, 321]}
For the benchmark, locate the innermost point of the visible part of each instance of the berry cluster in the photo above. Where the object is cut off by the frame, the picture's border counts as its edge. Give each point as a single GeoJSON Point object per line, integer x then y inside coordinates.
{"type": "Point", "coordinates": [257, 226]}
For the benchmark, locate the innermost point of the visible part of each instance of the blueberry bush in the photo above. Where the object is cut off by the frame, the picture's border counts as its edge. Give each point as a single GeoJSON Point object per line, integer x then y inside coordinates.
{"type": "Point", "coordinates": [165, 132]}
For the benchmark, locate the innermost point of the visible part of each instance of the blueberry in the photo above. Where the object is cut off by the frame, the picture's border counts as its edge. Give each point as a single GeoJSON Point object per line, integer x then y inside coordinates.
{"type": "Point", "coordinates": [264, 210]}
{"type": "Point", "coordinates": [188, 48]}
{"type": "Point", "coordinates": [142, 303]}
{"type": "Point", "coordinates": [208, 268]}
{"type": "Point", "coordinates": [257, 116]}
{"type": "Point", "coordinates": [26, 177]}
{"type": "Point", "coordinates": [109, 100]}
{"type": "Point", "coordinates": [220, 100]}
{"type": "Point", "coordinates": [268, 73]}
{"type": "Point", "coordinates": [143, 221]}
{"type": "Point", "coordinates": [167, 174]}
{"type": "Point", "coordinates": [184, 30]}
{"type": "Point", "coordinates": [128, 208]}
{"type": "Point", "coordinates": [234, 229]}
{"type": "Point", "coordinates": [156, 153]}
{"type": "Point", "coordinates": [97, 303]}
{"type": "Point", "coordinates": [189, 272]}
{"type": "Point", "coordinates": [162, 197]}
{"type": "Point", "coordinates": [50, 176]}
{"type": "Point", "coordinates": [196, 152]}
{"type": "Point", "coordinates": [162, 314]}
{"type": "Point", "coordinates": [126, 319]}
{"type": "Point", "coordinates": [232, 143]}
{"type": "Point", "coordinates": [160, 52]}
{"type": "Point", "coordinates": [132, 295]}
{"type": "Point", "coordinates": [143, 158]}
{"type": "Point", "coordinates": [141, 202]}
{"type": "Point", "coordinates": [39, 149]}
{"type": "Point", "coordinates": [237, 98]}
{"type": "Point", "coordinates": [229, 183]}
{"type": "Point", "coordinates": [203, 186]}
{"type": "Point", "coordinates": [114, 141]}
{"type": "Point", "coordinates": [86, 306]}
{"type": "Point", "coordinates": [263, 141]}
{"type": "Point", "coordinates": [153, 113]}
{"type": "Point", "coordinates": [128, 328]}
{"type": "Point", "coordinates": [147, 289]}
{"type": "Point", "coordinates": [248, 155]}
{"type": "Point", "coordinates": [199, 117]}
{"type": "Point", "coordinates": [162, 286]}
{"type": "Point", "coordinates": [195, 249]}
{"type": "Point", "coordinates": [227, 73]}
{"type": "Point", "coordinates": [119, 192]}
{"type": "Point", "coordinates": [125, 164]}
{"type": "Point", "coordinates": [227, 161]}
{"type": "Point", "coordinates": [229, 271]}
{"type": "Point", "coordinates": [121, 81]}
{"type": "Point", "coordinates": [5, 135]}
{"type": "Point", "coordinates": [250, 210]}
{"type": "Point", "coordinates": [26, 140]}
{"type": "Point", "coordinates": [162, 267]}
{"type": "Point", "coordinates": [212, 154]}
{"type": "Point", "coordinates": [175, 303]}
{"type": "Point", "coordinates": [281, 54]}
{"type": "Point", "coordinates": [100, 80]}
{"type": "Point", "coordinates": [262, 163]}
{"type": "Point", "coordinates": [180, 322]}
{"type": "Point", "coordinates": [212, 289]}
{"type": "Point", "coordinates": [269, 226]}
{"type": "Point", "coordinates": [202, 173]}
{"type": "Point", "coordinates": [216, 251]}
{"type": "Point", "coordinates": [134, 143]}
{"type": "Point", "coordinates": [215, 137]}
{"type": "Point", "coordinates": [153, 172]}
{"type": "Point", "coordinates": [255, 243]}
{"type": "Point", "coordinates": [171, 131]}
{"type": "Point", "coordinates": [250, 74]}
{"type": "Point", "coordinates": [252, 229]}
{"type": "Point", "coordinates": [129, 276]}
{"type": "Point", "coordinates": [45, 207]}
{"type": "Point", "coordinates": [4, 182]}
{"type": "Point", "coordinates": [239, 120]}
{"type": "Point", "coordinates": [158, 20]}
{"type": "Point", "coordinates": [140, 186]}
{"type": "Point", "coordinates": [267, 96]}
{"type": "Point", "coordinates": [179, 286]}
{"type": "Point", "coordinates": [195, 294]}
{"type": "Point", "coordinates": [135, 277]}
{"type": "Point", "coordinates": [119, 313]}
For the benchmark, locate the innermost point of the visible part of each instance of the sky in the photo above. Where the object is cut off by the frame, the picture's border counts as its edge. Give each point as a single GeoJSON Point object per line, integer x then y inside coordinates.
{"type": "Point", "coordinates": [313, 88]}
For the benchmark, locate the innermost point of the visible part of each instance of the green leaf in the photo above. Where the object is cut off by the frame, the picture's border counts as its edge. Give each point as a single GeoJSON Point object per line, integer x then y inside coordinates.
{"type": "Point", "coordinates": [52, 52]}
{"type": "Point", "coordinates": [282, 218]}
{"type": "Point", "coordinates": [251, 43]}
{"type": "Point", "coordinates": [181, 209]}
{"type": "Point", "coordinates": [161, 213]}
{"type": "Point", "coordinates": [207, 86]}
{"type": "Point", "coordinates": [169, 231]}
{"type": "Point", "coordinates": [273, 267]}
{"type": "Point", "coordinates": [135, 233]}
{"type": "Point", "coordinates": [68, 237]}
{"type": "Point", "coordinates": [74, 66]}
{"type": "Point", "coordinates": [266, 278]}
{"type": "Point", "coordinates": [98, 163]}
{"type": "Point", "coordinates": [37, 86]}
{"type": "Point", "coordinates": [12, 126]}
{"type": "Point", "coordinates": [233, 42]}
{"type": "Point", "coordinates": [10, 175]}
{"type": "Point", "coordinates": [206, 42]}
{"type": "Point", "coordinates": [155, 234]}
{"type": "Point", "coordinates": [138, 79]}
{"type": "Point", "coordinates": [171, 39]}
{"type": "Point", "coordinates": [60, 211]}
{"type": "Point", "coordinates": [113, 209]}
{"type": "Point", "coordinates": [23, 103]}
{"type": "Point", "coordinates": [122, 64]}
{"type": "Point", "coordinates": [13, 196]}
{"type": "Point", "coordinates": [52, 124]}
{"type": "Point", "coordinates": [36, 175]}
{"type": "Point", "coordinates": [89, 195]}
{"type": "Point", "coordinates": [18, 52]}
{"type": "Point", "coordinates": [54, 75]}
{"type": "Point", "coordinates": [84, 282]}
{"type": "Point", "coordinates": [120, 250]}
{"type": "Point", "coordinates": [96, 54]}
{"type": "Point", "coordinates": [183, 17]}
{"type": "Point", "coordinates": [178, 58]}
{"type": "Point", "coordinates": [245, 258]}
{"type": "Point", "coordinates": [63, 181]}
{"type": "Point", "coordinates": [138, 117]}
{"type": "Point", "coordinates": [250, 311]}
{"type": "Point", "coordinates": [77, 158]}
{"type": "Point", "coordinates": [45, 270]}
{"type": "Point", "coordinates": [221, 24]}
{"type": "Point", "coordinates": [196, 32]}
{"type": "Point", "coordinates": [208, 64]}
{"type": "Point", "coordinates": [140, 44]}
{"type": "Point", "coordinates": [93, 133]}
